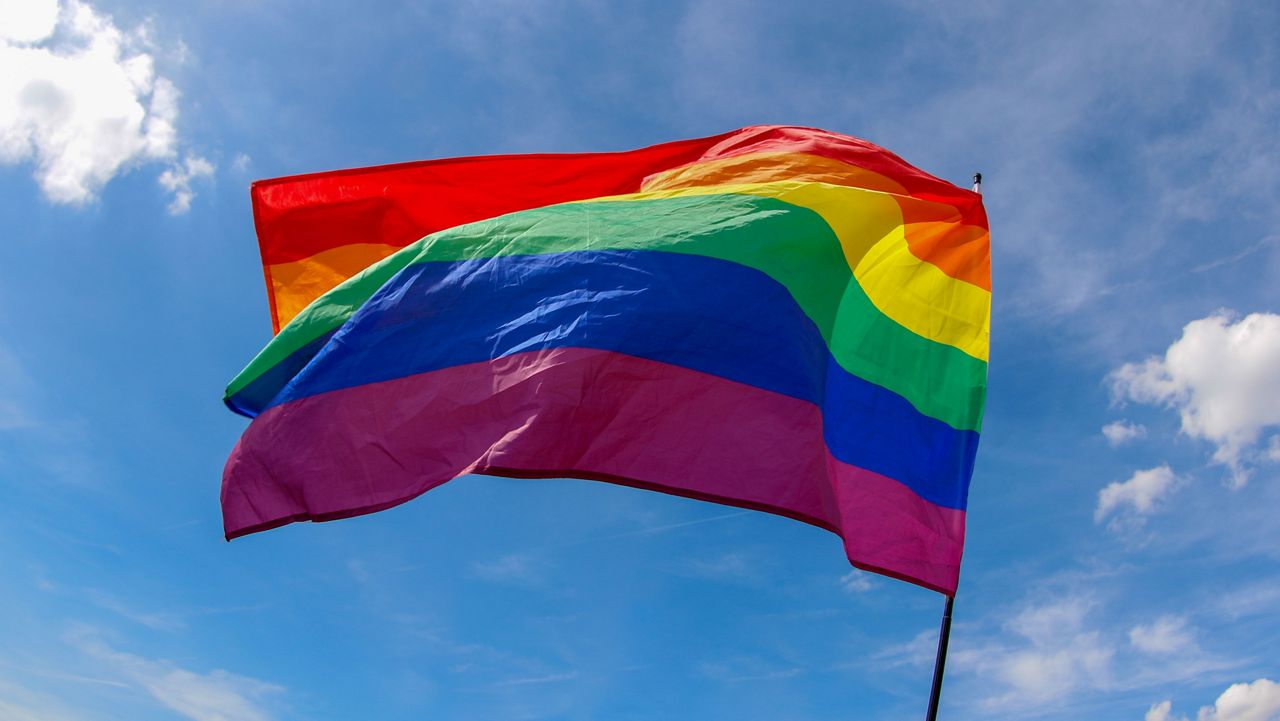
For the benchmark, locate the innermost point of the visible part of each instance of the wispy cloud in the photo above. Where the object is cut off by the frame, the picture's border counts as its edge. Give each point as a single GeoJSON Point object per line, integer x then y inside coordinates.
{"type": "Point", "coordinates": [732, 566]}
{"type": "Point", "coordinates": [856, 581]}
{"type": "Point", "coordinates": [535, 680]}
{"type": "Point", "coordinates": [1238, 255]}
{"type": "Point", "coordinates": [157, 621]}
{"type": "Point", "coordinates": [215, 695]}
{"type": "Point", "coordinates": [1166, 635]}
{"type": "Point", "coordinates": [1119, 433]}
{"type": "Point", "coordinates": [748, 669]}
{"type": "Point", "coordinates": [21, 704]}
{"type": "Point", "coordinates": [1258, 598]}
{"type": "Point", "coordinates": [520, 569]}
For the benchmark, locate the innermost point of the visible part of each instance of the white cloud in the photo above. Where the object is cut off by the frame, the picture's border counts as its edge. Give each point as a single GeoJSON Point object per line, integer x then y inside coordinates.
{"type": "Point", "coordinates": [1041, 624]}
{"type": "Point", "coordinates": [81, 100]}
{"type": "Point", "coordinates": [1223, 378]}
{"type": "Point", "coordinates": [856, 581]}
{"type": "Point", "coordinates": [1257, 701]}
{"type": "Point", "coordinates": [1140, 493]}
{"type": "Point", "coordinates": [21, 704]}
{"type": "Point", "coordinates": [1060, 655]}
{"type": "Point", "coordinates": [177, 180]}
{"type": "Point", "coordinates": [1119, 433]}
{"type": "Point", "coordinates": [1166, 635]}
{"type": "Point", "coordinates": [214, 696]}
{"type": "Point", "coordinates": [1259, 598]}
{"type": "Point", "coordinates": [1160, 712]}
{"type": "Point", "coordinates": [27, 21]}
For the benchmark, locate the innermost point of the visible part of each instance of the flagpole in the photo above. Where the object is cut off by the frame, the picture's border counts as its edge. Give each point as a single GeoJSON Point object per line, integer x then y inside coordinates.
{"type": "Point", "coordinates": [944, 634]}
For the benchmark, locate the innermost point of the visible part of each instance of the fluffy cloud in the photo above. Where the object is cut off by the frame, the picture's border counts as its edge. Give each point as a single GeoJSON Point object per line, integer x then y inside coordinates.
{"type": "Point", "coordinates": [1257, 701]}
{"type": "Point", "coordinates": [1140, 493]}
{"type": "Point", "coordinates": [1119, 433]}
{"type": "Point", "coordinates": [1223, 378]}
{"type": "Point", "coordinates": [27, 21]}
{"type": "Point", "coordinates": [1160, 712]}
{"type": "Point", "coordinates": [81, 100]}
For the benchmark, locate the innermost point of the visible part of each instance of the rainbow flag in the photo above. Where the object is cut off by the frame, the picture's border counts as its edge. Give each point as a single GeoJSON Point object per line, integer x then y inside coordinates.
{"type": "Point", "coordinates": [776, 318]}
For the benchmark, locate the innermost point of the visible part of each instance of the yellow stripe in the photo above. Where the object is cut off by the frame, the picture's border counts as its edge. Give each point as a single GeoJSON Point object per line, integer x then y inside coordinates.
{"type": "Point", "coordinates": [933, 232]}
{"type": "Point", "coordinates": [916, 294]}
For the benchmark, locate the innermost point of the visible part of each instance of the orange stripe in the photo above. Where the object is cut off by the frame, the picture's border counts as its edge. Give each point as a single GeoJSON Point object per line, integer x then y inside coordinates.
{"type": "Point", "coordinates": [960, 251]}
{"type": "Point", "coordinates": [934, 231]}
{"type": "Point", "coordinates": [767, 168]}
{"type": "Point", "coordinates": [298, 283]}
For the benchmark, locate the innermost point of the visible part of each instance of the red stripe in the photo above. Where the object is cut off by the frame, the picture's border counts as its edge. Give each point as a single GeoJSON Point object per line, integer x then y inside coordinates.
{"type": "Point", "coordinates": [302, 215]}
{"type": "Point", "coordinates": [552, 414]}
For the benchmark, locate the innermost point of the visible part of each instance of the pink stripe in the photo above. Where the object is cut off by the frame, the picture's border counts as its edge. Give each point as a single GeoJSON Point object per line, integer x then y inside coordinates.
{"type": "Point", "coordinates": [545, 414]}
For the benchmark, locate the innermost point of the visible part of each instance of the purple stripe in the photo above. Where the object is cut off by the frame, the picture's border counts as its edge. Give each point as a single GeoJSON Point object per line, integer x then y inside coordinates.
{"type": "Point", "coordinates": [551, 413]}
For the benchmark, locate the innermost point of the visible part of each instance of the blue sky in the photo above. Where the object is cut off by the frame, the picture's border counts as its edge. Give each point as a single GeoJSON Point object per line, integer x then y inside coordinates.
{"type": "Point", "coordinates": [1132, 181]}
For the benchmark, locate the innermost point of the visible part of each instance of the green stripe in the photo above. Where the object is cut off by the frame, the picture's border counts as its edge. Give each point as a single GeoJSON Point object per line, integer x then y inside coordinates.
{"type": "Point", "coordinates": [793, 245]}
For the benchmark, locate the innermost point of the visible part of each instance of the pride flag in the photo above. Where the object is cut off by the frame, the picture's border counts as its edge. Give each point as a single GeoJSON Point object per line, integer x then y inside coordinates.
{"type": "Point", "coordinates": [777, 318]}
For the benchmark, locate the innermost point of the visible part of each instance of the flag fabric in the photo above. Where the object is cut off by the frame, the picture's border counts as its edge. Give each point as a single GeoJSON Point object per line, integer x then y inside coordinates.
{"type": "Point", "coordinates": [776, 318]}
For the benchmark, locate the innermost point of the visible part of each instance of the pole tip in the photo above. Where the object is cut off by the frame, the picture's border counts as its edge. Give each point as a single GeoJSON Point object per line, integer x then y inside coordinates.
{"type": "Point", "coordinates": [977, 182]}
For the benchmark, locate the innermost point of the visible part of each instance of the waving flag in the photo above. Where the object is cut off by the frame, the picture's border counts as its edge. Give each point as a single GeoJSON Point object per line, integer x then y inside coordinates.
{"type": "Point", "coordinates": [776, 318]}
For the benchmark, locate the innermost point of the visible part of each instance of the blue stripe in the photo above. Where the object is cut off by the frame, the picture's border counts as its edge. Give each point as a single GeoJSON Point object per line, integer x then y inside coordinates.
{"type": "Point", "coordinates": [700, 313]}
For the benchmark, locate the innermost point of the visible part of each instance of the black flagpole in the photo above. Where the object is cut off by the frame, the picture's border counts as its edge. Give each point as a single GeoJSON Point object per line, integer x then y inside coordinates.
{"type": "Point", "coordinates": [944, 634]}
{"type": "Point", "coordinates": [941, 661]}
